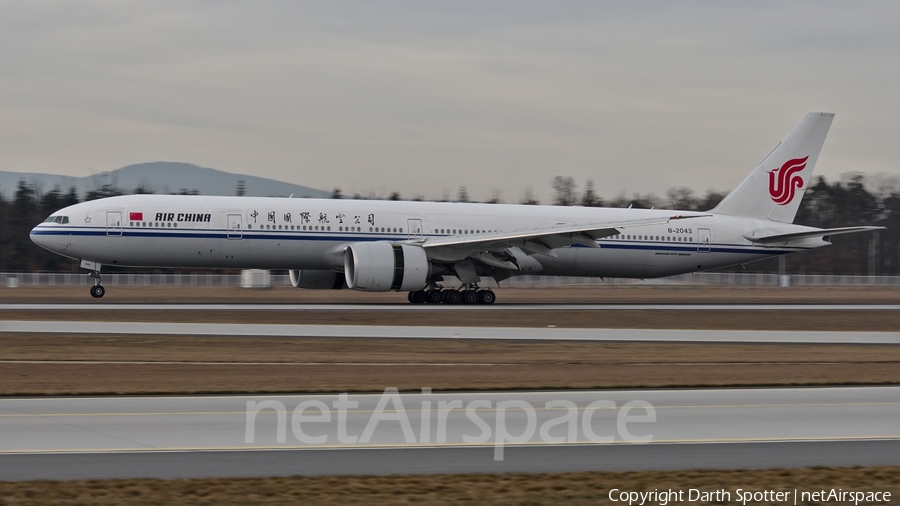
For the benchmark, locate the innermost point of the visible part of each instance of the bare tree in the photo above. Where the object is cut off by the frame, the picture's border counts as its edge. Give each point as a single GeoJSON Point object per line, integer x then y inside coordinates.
{"type": "Point", "coordinates": [710, 200]}
{"type": "Point", "coordinates": [590, 198]}
{"type": "Point", "coordinates": [682, 197]}
{"type": "Point", "coordinates": [528, 199]}
{"type": "Point", "coordinates": [564, 193]}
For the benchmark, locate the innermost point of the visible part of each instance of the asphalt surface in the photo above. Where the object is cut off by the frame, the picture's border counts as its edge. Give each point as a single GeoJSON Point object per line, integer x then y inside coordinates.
{"type": "Point", "coordinates": [413, 332]}
{"type": "Point", "coordinates": [201, 436]}
{"type": "Point", "coordinates": [446, 307]}
{"type": "Point", "coordinates": [172, 465]}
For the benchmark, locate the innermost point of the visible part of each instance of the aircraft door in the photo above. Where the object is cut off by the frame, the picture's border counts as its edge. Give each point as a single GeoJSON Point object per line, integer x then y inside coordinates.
{"type": "Point", "coordinates": [113, 223]}
{"type": "Point", "coordinates": [704, 238]}
{"type": "Point", "coordinates": [235, 226]}
{"type": "Point", "coordinates": [415, 228]}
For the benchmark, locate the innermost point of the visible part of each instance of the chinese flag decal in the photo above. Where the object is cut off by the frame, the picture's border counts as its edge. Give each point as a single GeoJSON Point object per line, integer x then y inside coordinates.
{"type": "Point", "coordinates": [135, 216]}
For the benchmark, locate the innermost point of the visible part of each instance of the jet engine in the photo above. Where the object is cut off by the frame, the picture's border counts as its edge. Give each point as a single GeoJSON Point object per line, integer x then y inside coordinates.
{"type": "Point", "coordinates": [383, 266]}
{"type": "Point", "coordinates": [317, 280]}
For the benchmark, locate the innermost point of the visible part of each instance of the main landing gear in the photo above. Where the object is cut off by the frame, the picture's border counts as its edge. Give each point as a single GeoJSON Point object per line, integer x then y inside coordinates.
{"type": "Point", "coordinates": [435, 295]}
{"type": "Point", "coordinates": [97, 290]}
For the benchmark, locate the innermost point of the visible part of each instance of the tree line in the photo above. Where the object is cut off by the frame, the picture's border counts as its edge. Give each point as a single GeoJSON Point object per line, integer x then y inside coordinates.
{"type": "Point", "coordinates": [853, 200]}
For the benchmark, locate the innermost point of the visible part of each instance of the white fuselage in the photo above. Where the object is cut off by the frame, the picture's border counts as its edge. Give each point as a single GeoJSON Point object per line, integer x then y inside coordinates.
{"type": "Point", "coordinates": [284, 233]}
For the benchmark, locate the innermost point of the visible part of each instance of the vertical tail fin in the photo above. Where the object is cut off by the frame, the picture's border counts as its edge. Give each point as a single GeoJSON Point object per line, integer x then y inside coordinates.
{"type": "Point", "coordinates": [775, 187]}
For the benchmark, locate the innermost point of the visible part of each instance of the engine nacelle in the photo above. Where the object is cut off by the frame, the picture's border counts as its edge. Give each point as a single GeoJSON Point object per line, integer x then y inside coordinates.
{"type": "Point", "coordinates": [383, 266]}
{"type": "Point", "coordinates": [317, 280]}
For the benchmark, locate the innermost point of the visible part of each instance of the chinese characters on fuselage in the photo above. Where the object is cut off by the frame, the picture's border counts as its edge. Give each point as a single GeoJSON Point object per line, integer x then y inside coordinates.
{"type": "Point", "coordinates": [305, 217]}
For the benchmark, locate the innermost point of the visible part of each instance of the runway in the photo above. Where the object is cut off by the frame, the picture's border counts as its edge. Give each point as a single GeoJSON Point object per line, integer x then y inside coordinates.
{"type": "Point", "coordinates": [446, 307]}
{"type": "Point", "coordinates": [422, 332]}
{"type": "Point", "coordinates": [519, 459]}
{"type": "Point", "coordinates": [181, 436]}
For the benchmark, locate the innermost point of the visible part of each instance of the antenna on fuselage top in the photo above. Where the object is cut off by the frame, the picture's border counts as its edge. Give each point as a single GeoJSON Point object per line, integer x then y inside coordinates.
{"type": "Point", "coordinates": [291, 196]}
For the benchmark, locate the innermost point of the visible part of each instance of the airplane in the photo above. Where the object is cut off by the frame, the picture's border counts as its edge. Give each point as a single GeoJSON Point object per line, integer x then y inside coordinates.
{"type": "Point", "coordinates": [376, 246]}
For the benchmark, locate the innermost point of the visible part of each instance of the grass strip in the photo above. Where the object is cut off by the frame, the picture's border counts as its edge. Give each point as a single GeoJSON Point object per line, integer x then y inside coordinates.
{"type": "Point", "coordinates": [73, 365]}
{"type": "Point", "coordinates": [589, 488]}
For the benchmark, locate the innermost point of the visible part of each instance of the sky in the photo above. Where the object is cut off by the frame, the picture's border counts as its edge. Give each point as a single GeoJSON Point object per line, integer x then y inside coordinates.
{"type": "Point", "coordinates": [425, 97]}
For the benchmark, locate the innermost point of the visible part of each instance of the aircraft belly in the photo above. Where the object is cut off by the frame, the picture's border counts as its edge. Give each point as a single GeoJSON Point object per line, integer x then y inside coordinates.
{"type": "Point", "coordinates": [595, 262]}
{"type": "Point", "coordinates": [671, 262]}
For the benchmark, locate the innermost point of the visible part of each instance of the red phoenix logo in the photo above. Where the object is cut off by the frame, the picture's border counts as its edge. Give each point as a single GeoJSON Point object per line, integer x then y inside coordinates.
{"type": "Point", "coordinates": [783, 182]}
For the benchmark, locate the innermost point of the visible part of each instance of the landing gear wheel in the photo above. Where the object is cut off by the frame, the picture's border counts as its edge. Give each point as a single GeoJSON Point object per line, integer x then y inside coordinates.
{"type": "Point", "coordinates": [451, 297]}
{"type": "Point", "coordinates": [486, 297]}
{"type": "Point", "coordinates": [433, 297]}
{"type": "Point", "coordinates": [417, 297]}
{"type": "Point", "coordinates": [97, 291]}
{"type": "Point", "coordinates": [470, 297]}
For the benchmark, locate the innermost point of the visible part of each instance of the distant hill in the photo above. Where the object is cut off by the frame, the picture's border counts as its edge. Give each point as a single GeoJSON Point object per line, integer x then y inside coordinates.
{"type": "Point", "coordinates": [161, 177]}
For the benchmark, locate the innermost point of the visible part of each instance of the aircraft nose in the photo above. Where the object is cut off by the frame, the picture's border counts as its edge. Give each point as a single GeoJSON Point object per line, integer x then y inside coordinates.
{"type": "Point", "coordinates": [37, 237]}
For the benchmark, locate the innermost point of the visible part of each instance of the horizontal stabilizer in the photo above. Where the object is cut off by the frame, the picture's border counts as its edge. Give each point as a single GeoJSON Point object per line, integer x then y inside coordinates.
{"type": "Point", "coordinates": [766, 239]}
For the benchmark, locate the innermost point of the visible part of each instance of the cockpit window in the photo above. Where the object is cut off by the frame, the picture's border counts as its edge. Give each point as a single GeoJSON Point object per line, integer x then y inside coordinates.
{"type": "Point", "coordinates": [62, 220]}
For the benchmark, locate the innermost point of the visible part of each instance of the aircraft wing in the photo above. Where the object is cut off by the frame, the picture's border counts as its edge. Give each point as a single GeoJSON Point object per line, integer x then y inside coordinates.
{"type": "Point", "coordinates": [766, 239]}
{"type": "Point", "coordinates": [536, 241]}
